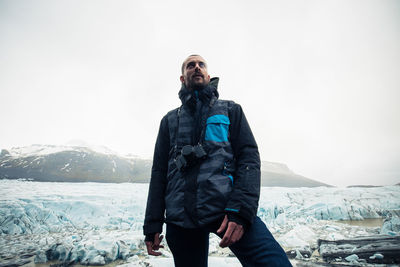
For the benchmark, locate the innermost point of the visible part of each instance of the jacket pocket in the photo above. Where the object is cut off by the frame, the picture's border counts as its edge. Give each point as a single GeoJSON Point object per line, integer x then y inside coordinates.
{"type": "Point", "coordinates": [217, 128]}
{"type": "Point", "coordinates": [219, 189]}
{"type": "Point", "coordinates": [228, 170]}
{"type": "Point", "coordinates": [253, 179]}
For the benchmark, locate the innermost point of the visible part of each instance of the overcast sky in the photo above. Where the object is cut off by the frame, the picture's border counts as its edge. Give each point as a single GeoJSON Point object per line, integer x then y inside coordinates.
{"type": "Point", "coordinates": [319, 81]}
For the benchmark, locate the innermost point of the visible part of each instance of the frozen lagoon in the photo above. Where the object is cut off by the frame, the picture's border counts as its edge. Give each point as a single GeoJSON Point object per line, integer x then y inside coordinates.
{"type": "Point", "coordinates": [96, 223]}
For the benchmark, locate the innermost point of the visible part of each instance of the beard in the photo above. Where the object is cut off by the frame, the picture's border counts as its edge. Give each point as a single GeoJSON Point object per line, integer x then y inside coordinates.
{"type": "Point", "coordinates": [197, 86]}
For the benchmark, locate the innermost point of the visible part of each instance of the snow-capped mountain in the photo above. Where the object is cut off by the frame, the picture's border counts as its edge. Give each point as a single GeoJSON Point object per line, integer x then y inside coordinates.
{"type": "Point", "coordinates": [71, 164]}
{"type": "Point", "coordinates": [75, 163]}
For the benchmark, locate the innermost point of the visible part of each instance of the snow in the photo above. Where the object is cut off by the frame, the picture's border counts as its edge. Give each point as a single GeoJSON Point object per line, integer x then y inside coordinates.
{"type": "Point", "coordinates": [43, 150]}
{"type": "Point", "coordinates": [95, 223]}
{"type": "Point", "coordinates": [37, 150]}
{"type": "Point", "coordinates": [65, 166]}
{"type": "Point", "coordinates": [83, 148]}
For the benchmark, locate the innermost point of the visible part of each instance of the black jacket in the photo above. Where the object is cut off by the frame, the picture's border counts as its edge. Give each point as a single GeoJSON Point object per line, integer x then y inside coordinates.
{"type": "Point", "coordinates": [242, 204]}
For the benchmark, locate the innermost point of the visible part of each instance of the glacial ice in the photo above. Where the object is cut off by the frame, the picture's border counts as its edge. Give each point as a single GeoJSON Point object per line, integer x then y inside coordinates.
{"type": "Point", "coordinates": [391, 225]}
{"type": "Point", "coordinates": [93, 223]}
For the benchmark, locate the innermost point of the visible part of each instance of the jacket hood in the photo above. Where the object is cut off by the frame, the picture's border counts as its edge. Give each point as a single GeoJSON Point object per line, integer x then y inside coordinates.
{"type": "Point", "coordinates": [189, 97]}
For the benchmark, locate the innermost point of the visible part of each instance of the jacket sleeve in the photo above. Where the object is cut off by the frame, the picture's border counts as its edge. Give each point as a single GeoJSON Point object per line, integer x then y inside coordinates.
{"type": "Point", "coordinates": [243, 201]}
{"type": "Point", "coordinates": [155, 209]}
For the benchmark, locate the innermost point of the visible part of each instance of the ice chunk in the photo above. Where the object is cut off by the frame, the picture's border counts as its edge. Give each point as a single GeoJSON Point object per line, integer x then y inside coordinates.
{"type": "Point", "coordinates": [299, 237]}
{"type": "Point", "coordinates": [40, 257]}
{"type": "Point", "coordinates": [97, 260]}
{"type": "Point", "coordinates": [390, 225]}
{"type": "Point", "coordinates": [334, 236]}
{"type": "Point", "coordinates": [124, 250]}
{"type": "Point", "coordinates": [378, 256]}
{"type": "Point", "coordinates": [93, 258]}
{"type": "Point", "coordinates": [60, 252]}
{"type": "Point", "coordinates": [108, 248]}
{"type": "Point", "coordinates": [352, 258]}
{"type": "Point", "coordinates": [298, 255]}
{"type": "Point", "coordinates": [281, 220]}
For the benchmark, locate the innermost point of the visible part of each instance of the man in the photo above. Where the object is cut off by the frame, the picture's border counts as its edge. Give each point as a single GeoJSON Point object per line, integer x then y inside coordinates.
{"type": "Point", "coordinates": [206, 178]}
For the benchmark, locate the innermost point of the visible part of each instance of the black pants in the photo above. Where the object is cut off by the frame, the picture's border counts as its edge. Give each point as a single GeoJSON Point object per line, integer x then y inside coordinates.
{"type": "Point", "coordinates": [257, 247]}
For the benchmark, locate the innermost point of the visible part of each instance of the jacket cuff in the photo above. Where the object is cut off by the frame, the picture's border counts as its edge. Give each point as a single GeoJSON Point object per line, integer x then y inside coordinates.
{"type": "Point", "coordinates": [152, 228]}
{"type": "Point", "coordinates": [245, 214]}
{"type": "Point", "coordinates": [149, 237]}
{"type": "Point", "coordinates": [234, 217]}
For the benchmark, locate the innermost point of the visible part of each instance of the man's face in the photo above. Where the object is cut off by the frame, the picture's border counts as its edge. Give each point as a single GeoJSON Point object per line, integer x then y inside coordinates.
{"type": "Point", "coordinates": [195, 75]}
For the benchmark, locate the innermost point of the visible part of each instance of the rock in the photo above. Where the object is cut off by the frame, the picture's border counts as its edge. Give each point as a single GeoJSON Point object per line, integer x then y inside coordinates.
{"type": "Point", "coordinates": [72, 164]}
{"type": "Point", "coordinates": [315, 254]}
{"type": "Point", "coordinates": [363, 247]}
{"type": "Point", "coordinates": [14, 262]}
{"type": "Point", "coordinates": [299, 253]}
{"type": "Point", "coordinates": [291, 254]}
{"type": "Point", "coordinates": [26, 256]}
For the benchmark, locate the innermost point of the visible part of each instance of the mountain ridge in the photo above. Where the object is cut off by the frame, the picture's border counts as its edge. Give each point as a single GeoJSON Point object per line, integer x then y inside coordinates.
{"type": "Point", "coordinates": [86, 164]}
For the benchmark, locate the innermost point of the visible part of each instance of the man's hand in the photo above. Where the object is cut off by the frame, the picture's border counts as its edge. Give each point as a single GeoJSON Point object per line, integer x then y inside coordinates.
{"type": "Point", "coordinates": [152, 247]}
{"type": "Point", "coordinates": [233, 233]}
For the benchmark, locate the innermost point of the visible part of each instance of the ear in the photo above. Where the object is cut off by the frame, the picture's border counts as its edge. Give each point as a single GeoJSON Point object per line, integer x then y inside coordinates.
{"type": "Point", "coordinates": [182, 79]}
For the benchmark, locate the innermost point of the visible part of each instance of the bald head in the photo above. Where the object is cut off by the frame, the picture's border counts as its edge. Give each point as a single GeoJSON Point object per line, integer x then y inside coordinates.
{"type": "Point", "coordinates": [188, 58]}
{"type": "Point", "coordinates": [194, 73]}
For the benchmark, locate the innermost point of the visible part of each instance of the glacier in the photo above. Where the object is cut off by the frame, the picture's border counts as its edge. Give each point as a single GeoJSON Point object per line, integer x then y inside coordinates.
{"type": "Point", "coordinates": [97, 223]}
